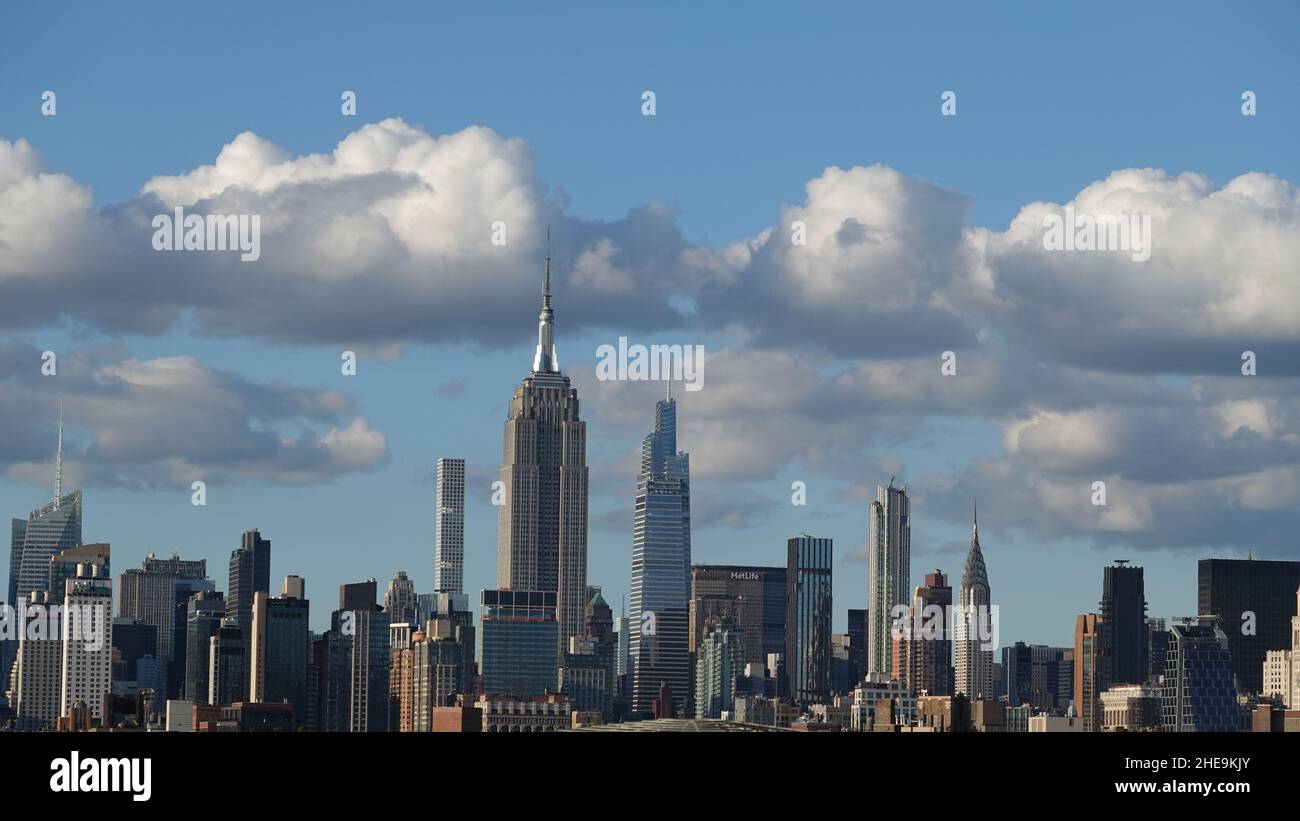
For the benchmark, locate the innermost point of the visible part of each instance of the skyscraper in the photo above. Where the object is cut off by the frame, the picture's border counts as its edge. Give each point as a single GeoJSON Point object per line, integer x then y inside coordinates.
{"type": "Point", "coordinates": [1198, 694]}
{"type": "Point", "coordinates": [250, 573]}
{"type": "Point", "coordinates": [808, 618]}
{"type": "Point", "coordinates": [1258, 594]}
{"type": "Point", "coordinates": [973, 626]}
{"type": "Point", "coordinates": [149, 594]}
{"type": "Point", "coordinates": [49, 529]}
{"type": "Point", "coordinates": [1087, 670]}
{"type": "Point", "coordinates": [87, 641]}
{"type": "Point", "coordinates": [1123, 625]}
{"type": "Point", "coordinates": [38, 667]}
{"type": "Point", "coordinates": [358, 684]}
{"type": "Point", "coordinates": [923, 654]}
{"type": "Point", "coordinates": [661, 566]}
{"type": "Point", "coordinates": [449, 528]}
{"type": "Point", "coordinates": [280, 649]}
{"type": "Point", "coordinates": [204, 613]}
{"type": "Point", "coordinates": [754, 597]}
{"type": "Point", "coordinates": [228, 677]}
{"type": "Point", "coordinates": [520, 638]}
{"type": "Point", "coordinates": [721, 661]}
{"type": "Point", "coordinates": [542, 523]}
{"type": "Point", "coordinates": [889, 552]}
{"type": "Point", "coordinates": [399, 598]}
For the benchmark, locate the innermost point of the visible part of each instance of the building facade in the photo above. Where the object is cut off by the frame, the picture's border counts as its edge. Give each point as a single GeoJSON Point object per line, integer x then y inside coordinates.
{"type": "Point", "coordinates": [659, 646]}
{"type": "Point", "coordinates": [520, 638]}
{"type": "Point", "coordinates": [542, 521]}
{"type": "Point", "coordinates": [449, 527]}
{"type": "Point", "coordinates": [1241, 590]}
{"type": "Point", "coordinates": [808, 618]}
{"type": "Point", "coordinates": [889, 556]}
{"type": "Point", "coordinates": [974, 626]}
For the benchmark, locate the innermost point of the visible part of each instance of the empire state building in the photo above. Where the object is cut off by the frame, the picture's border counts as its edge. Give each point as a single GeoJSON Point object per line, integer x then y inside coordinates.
{"type": "Point", "coordinates": [542, 523]}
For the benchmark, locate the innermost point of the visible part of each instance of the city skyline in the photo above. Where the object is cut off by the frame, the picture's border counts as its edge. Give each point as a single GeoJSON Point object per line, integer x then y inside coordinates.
{"type": "Point", "coordinates": [1069, 369]}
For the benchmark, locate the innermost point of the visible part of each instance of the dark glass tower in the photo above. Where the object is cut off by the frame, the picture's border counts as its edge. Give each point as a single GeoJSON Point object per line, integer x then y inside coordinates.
{"type": "Point", "coordinates": [250, 573]}
{"type": "Point", "coordinates": [808, 619]}
{"type": "Point", "coordinates": [1233, 588]}
{"type": "Point", "coordinates": [1123, 626]}
{"type": "Point", "coordinates": [661, 567]}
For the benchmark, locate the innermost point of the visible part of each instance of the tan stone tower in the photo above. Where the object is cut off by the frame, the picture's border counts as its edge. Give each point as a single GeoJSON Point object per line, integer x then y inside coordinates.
{"type": "Point", "coordinates": [542, 521]}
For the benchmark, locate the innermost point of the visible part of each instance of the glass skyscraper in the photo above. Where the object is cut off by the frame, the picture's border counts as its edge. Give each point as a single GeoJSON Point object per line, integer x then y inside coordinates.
{"type": "Point", "coordinates": [47, 531]}
{"type": "Point", "coordinates": [520, 642]}
{"type": "Point", "coordinates": [889, 546]}
{"type": "Point", "coordinates": [808, 619]}
{"type": "Point", "coordinates": [661, 567]}
{"type": "Point", "coordinates": [1198, 694]}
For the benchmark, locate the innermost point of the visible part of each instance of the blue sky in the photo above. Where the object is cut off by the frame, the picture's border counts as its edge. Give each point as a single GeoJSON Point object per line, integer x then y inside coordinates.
{"type": "Point", "coordinates": [750, 107]}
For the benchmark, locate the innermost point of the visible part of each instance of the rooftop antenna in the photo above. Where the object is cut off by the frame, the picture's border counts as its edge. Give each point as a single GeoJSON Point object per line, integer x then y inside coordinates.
{"type": "Point", "coordinates": [58, 460]}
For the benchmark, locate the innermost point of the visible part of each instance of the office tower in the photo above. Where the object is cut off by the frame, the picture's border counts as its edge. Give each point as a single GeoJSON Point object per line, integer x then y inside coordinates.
{"type": "Point", "coordinates": [1087, 670]}
{"type": "Point", "coordinates": [720, 661]}
{"type": "Point", "coordinates": [661, 566]}
{"type": "Point", "coordinates": [149, 594]}
{"type": "Point", "coordinates": [542, 525]}
{"type": "Point", "coordinates": [520, 639]}
{"type": "Point", "coordinates": [38, 666]}
{"type": "Point", "coordinates": [87, 667]}
{"type": "Point", "coordinates": [63, 565]}
{"type": "Point", "coordinates": [1258, 593]}
{"type": "Point", "coordinates": [135, 667]}
{"type": "Point", "coordinates": [754, 597]}
{"type": "Point", "coordinates": [974, 625]}
{"type": "Point", "coordinates": [364, 628]}
{"type": "Point", "coordinates": [587, 678]}
{"type": "Point", "coordinates": [329, 680]}
{"type": "Point", "coordinates": [889, 552]}
{"type": "Point", "coordinates": [452, 608]}
{"type": "Point", "coordinates": [923, 648]}
{"type": "Point", "coordinates": [48, 530]}
{"type": "Point", "coordinates": [600, 631]}
{"type": "Point", "coordinates": [203, 616]}
{"type": "Point", "coordinates": [1157, 649]}
{"type": "Point", "coordinates": [439, 667]}
{"type": "Point", "coordinates": [399, 599]}
{"type": "Point", "coordinates": [1033, 673]}
{"type": "Point", "coordinates": [228, 664]}
{"type": "Point", "coordinates": [1123, 625]}
{"type": "Point", "coordinates": [449, 528]}
{"type": "Point", "coordinates": [808, 619]}
{"type": "Point", "coordinates": [1198, 694]}
{"type": "Point", "coordinates": [857, 633]}
{"type": "Point", "coordinates": [279, 664]}
{"type": "Point", "coordinates": [250, 572]}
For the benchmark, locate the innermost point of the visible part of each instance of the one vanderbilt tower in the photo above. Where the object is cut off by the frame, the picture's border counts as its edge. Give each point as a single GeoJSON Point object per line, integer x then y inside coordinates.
{"type": "Point", "coordinates": [542, 521]}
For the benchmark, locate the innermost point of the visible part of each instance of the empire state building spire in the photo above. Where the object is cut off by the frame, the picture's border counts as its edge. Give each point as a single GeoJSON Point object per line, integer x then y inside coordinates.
{"type": "Point", "coordinates": [545, 360]}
